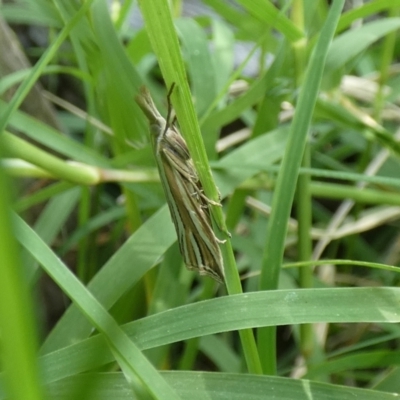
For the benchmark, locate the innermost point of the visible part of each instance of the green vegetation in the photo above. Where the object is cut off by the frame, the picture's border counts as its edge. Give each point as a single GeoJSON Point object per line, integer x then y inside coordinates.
{"type": "Point", "coordinates": [299, 139]}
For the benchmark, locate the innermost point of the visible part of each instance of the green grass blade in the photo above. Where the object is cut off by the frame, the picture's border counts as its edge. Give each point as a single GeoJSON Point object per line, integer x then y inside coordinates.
{"type": "Point", "coordinates": [286, 183]}
{"type": "Point", "coordinates": [165, 44]}
{"type": "Point", "coordinates": [18, 336]}
{"type": "Point", "coordinates": [28, 83]}
{"type": "Point", "coordinates": [229, 313]}
{"type": "Point", "coordinates": [139, 253]}
{"type": "Point", "coordinates": [226, 386]}
{"type": "Point", "coordinates": [129, 357]}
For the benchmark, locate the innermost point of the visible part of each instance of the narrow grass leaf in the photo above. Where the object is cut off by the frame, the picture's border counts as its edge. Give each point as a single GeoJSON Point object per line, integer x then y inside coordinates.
{"type": "Point", "coordinates": [138, 254]}
{"type": "Point", "coordinates": [230, 313]}
{"type": "Point", "coordinates": [130, 359]}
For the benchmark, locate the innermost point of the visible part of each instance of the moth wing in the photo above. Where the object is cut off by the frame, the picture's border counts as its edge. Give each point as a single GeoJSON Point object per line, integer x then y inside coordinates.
{"type": "Point", "coordinates": [190, 214]}
{"type": "Point", "coordinates": [177, 153]}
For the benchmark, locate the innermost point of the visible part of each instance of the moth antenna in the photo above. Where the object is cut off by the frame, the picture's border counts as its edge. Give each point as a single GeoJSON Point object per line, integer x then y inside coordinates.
{"type": "Point", "coordinates": [169, 111]}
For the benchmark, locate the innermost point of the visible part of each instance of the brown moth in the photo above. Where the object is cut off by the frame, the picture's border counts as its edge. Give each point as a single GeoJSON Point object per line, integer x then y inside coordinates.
{"type": "Point", "coordinates": [187, 202]}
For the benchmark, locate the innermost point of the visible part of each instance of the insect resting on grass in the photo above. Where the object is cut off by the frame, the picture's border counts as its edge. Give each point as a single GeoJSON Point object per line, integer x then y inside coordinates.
{"type": "Point", "coordinates": [187, 203]}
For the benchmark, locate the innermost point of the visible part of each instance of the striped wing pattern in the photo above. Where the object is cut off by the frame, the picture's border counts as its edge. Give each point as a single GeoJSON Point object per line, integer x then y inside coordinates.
{"type": "Point", "coordinates": [188, 205]}
{"type": "Point", "coordinates": [190, 214]}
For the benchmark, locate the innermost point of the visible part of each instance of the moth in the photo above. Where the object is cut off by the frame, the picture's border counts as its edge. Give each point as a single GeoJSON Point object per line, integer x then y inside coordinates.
{"type": "Point", "coordinates": [188, 205]}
